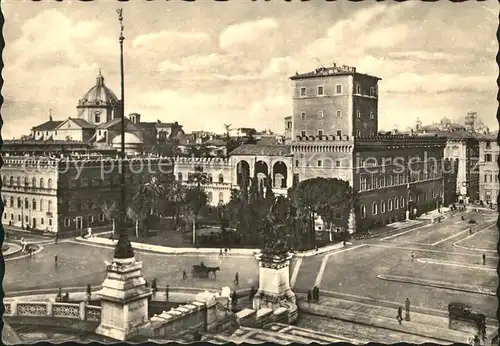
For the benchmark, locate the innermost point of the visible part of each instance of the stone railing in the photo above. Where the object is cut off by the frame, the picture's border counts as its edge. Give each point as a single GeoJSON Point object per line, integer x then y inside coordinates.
{"type": "Point", "coordinates": [78, 311]}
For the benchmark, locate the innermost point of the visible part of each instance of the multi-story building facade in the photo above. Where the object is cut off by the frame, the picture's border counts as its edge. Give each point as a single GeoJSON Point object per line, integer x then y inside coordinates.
{"type": "Point", "coordinates": [217, 170]}
{"type": "Point", "coordinates": [335, 135]}
{"type": "Point", "coordinates": [488, 169]}
{"type": "Point", "coordinates": [334, 102]}
{"type": "Point", "coordinates": [64, 195]}
{"type": "Point", "coordinates": [288, 128]}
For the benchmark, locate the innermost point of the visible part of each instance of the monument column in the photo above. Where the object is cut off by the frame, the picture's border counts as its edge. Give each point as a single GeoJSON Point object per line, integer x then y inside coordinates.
{"type": "Point", "coordinates": [124, 295]}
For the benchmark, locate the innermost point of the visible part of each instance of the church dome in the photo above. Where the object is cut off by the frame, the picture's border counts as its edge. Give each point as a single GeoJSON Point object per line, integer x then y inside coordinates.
{"type": "Point", "coordinates": [99, 94]}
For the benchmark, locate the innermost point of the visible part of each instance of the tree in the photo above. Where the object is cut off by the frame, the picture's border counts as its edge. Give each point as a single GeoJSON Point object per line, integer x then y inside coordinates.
{"type": "Point", "coordinates": [110, 211]}
{"type": "Point", "coordinates": [138, 210]}
{"type": "Point", "coordinates": [154, 190]}
{"type": "Point", "coordinates": [195, 199]}
{"type": "Point", "coordinates": [175, 193]}
{"type": "Point", "coordinates": [330, 198]}
{"type": "Point", "coordinates": [273, 231]}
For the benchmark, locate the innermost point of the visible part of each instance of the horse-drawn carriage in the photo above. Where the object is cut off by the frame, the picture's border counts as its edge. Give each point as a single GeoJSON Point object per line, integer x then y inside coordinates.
{"type": "Point", "coordinates": [202, 271]}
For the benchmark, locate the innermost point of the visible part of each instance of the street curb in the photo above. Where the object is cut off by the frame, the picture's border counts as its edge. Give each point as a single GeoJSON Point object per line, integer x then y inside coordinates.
{"type": "Point", "coordinates": [437, 284]}
{"type": "Point", "coordinates": [12, 258]}
{"type": "Point", "coordinates": [12, 250]}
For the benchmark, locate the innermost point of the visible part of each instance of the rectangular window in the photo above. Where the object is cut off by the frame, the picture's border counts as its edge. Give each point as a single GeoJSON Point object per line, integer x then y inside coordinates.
{"type": "Point", "coordinates": [372, 91]}
{"type": "Point", "coordinates": [320, 163]}
{"type": "Point", "coordinates": [303, 115]}
{"type": "Point", "coordinates": [338, 89]}
{"type": "Point", "coordinates": [303, 133]}
{"type": "Point", "coordinates": [339, 133]}
{"type": "Point", "coordinates": [50, 222]}
{"type": "Point", "coordinates": [362, 183]}
{"type": "Point", "coordinates": [320, 90]}
{"type": "Point", "coordinates": [358, 114]}
{"type": "Point", "coordinates": [320, 115]}
{"type": "Point", "coordinates": [320, 133]}
{"type": "Point", "coordinates": [303, 92]}
{"type": "Point", "coordinates": [487, 157]}
{"type": "Point", "coordinates": [488, 144]}
{"type": "Point", "coordinates": [358, 89]}
{"type": "Point", "coordinates": [337, 164]}
{"type": "Point", "coordinates": [358, 133]}
{"type": "Point", "coordinates": [339, 113]}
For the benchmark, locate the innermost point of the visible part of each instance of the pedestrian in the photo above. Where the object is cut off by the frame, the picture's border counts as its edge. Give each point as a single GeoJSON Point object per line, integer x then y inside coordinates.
{"type": "Point", "coordinates": [463, 218]}
{"type": "Point", "coordinates": [407, 308]}
{"type": "Point", "coordinates": [184, 275]}
{"type": "Point", "coordinates": [236, 279]}
{"type": "Point", "coordinates": [153, 286]}
{"type": "Point", "coordinates": [59, 295]}
{"type": "Point", "coordinates": [89, 290]}
{"type": "Point", "coordinates": [225, 251]}
{"type": "Point", "coordinates": [309, 297]}
{"type": "Point", "coordinates": [220, 254]}
{"type": "Point", "coordinates": [345, 242]}
{"type": "Point", "coordinates": [470, 230]}
{"type": "Point", "coordinates": [55, 260]}
{"type": "Point", "coordinates": [56, 238]}
{"type": "Point", "coordinates": [317, 294]}
{"type": "Point", "coordinates": [316, 249]}
{"type": "Point", "coordinates": [412, 256]}
{"type": "Point", "coordinates": [251, 294]}
{"type": "Point", "coordinates": [400, 314]}
{"type": "Point", "coordinates": [484, 258]}
{"type": "Point", "coordinates": [166, 292]}
{"type": "Point", "coordinates": [147, 283]}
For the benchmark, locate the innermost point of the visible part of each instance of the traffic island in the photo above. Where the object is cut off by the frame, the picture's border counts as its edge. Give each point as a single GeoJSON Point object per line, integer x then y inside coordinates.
{"type": "Point", "coordinates": [439, 284]}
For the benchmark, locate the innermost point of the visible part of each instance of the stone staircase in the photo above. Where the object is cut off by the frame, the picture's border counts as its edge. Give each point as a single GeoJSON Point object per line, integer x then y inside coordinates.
{"type": "Point", "coordinates": [431, 327]}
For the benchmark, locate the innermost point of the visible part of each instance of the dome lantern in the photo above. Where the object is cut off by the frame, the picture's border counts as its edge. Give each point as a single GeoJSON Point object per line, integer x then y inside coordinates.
{"type": "Point", "coordinates": [100, 79]}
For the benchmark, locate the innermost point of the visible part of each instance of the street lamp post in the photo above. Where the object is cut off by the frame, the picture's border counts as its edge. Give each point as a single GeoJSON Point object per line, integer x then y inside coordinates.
{"type": "Point", "coordinates": [123, 249]}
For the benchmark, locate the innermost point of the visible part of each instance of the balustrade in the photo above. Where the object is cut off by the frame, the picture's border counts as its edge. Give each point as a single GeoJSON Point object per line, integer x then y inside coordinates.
{"type": "Point", "coordinates": [80, 311]}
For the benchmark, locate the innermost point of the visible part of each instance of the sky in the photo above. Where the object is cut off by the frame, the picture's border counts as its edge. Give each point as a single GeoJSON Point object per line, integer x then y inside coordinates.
{"type": "Point", "coordinates": [207, 63]}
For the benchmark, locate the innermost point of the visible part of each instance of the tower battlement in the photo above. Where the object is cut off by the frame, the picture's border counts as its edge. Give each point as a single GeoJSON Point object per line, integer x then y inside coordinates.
{"type": "Point", "coordinates": [204, 161]}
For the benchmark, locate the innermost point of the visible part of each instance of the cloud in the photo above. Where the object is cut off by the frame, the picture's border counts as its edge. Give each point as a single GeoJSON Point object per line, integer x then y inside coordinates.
{"type": "Point", "coordinates": [410, 82]}
{"type": "Point", "coordinates": [237, 35]}
{"type": "Point", "coordinates": [269, 112]}
{"type": "Point", "coordinates": [168, 37]}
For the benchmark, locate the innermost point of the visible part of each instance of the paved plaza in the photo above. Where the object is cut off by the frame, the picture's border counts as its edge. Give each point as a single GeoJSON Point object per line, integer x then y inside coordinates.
{"type": "Point", "coordinates": [378, 273]}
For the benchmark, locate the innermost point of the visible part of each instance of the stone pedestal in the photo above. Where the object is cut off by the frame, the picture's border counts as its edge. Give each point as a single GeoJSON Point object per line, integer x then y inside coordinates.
{"type": "Point", "coordinates": [274, 285]}
{"type": "Point", "coordinates": [124, 301]}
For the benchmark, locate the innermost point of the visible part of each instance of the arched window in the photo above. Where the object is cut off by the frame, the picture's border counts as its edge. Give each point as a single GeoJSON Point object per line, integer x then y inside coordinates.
{"type": "Point", "coordinates": [19, 202]}
{"type": "Point", "coordinates": [221, 197]}
{"type": "Point", "coordinates": [362, 210]}
{"type": "Point", "coordinates": [12, 202]}
{"type": "Point", "coordinates": [67, 222]}
{"type": "Point", "coordinates": [396, 203]}
{"type": "Point", "coordinates": [41, 205]}
{"type": "Point", "coordinates": [4, 179]}
{"type": "Point", "coordinates": [33, 204]}
{"type": "Point", "coordinates": [42, 183]}
{"type": "Point", "coordinates": [26, 182]}
{"type": "Point", "coordinates": [18, 181]}
{"type": "Point", "coordinates": [179, 176]}
{"type": "Point", "coordinates": [221, 179]}
{"type": "Point", "coordinates": [49, 206]}
{"type": "Point", "coordinates": [33, 182]}
{"type": "Point", "coordinates": [374, 208]}
{"type": "Point", "coordinates": [49, 184]}
{"type": "Point", "coordinates": [382, 207]}
{"type": "Point", "coordinates": [11, 180]}
{"type": "Point", "coordinates": [402, 202]}
{"type": "Point", "coordinates": [389, 203]}
{"type": "Point", "coordinates": [26, 204]}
